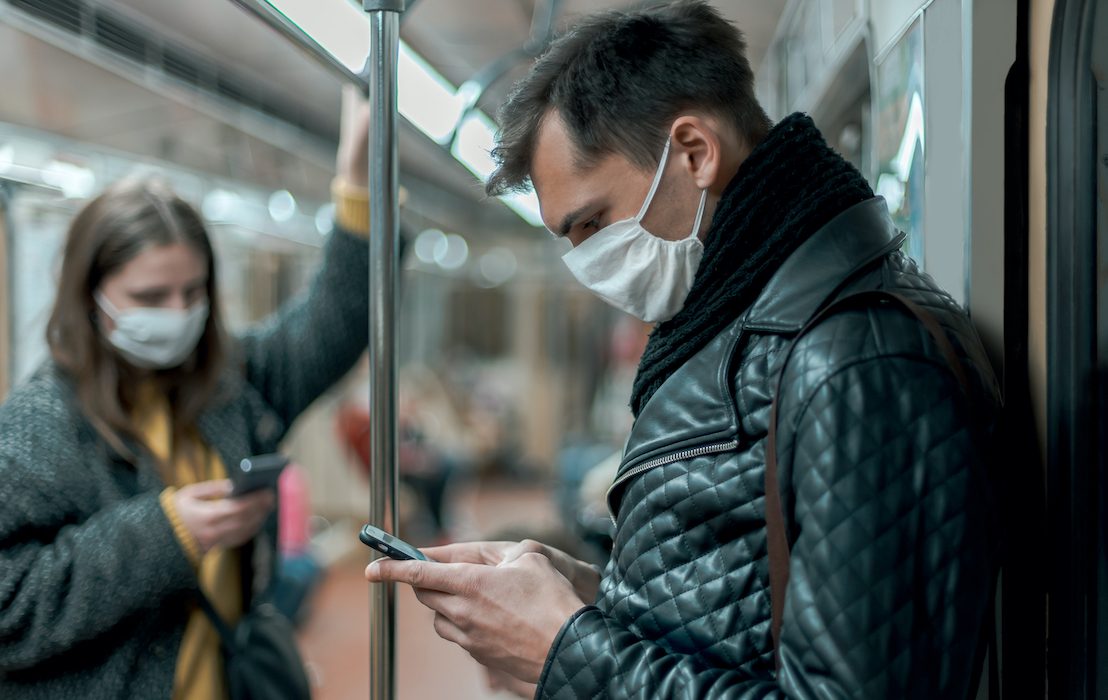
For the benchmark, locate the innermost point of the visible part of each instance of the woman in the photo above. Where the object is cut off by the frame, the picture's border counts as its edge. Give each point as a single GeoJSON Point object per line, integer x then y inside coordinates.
{"type": "Point", "coordinates": [115, 505]}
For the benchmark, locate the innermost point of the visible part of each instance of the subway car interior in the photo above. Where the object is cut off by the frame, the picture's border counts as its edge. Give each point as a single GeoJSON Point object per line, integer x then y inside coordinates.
{"type": "Point", "coordinates": [506, 383]}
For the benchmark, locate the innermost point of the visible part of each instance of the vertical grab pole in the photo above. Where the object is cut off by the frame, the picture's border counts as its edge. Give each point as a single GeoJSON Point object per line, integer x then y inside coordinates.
{"type": "Point", "coordinates": [384, 225]}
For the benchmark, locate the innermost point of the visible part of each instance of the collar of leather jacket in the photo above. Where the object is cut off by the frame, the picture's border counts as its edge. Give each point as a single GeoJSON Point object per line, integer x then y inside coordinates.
{"type": "Point", "coordinates": [694, 407]}
{"type": "Point", "coordinates": [810, 276]}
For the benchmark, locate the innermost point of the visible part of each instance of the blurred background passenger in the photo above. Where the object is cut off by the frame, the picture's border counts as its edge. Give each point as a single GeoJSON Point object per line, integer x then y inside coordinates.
{"type": "Point", "coordinates": [433, 446]}
{"type": "Point", "coordinates": [113, 457]}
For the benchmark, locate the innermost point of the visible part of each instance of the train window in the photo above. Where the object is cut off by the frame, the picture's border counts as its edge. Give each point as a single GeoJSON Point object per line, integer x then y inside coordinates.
{"type": "Point", "coordinates": [899, 135]}
{"type": "Point", "coordinates": [38, 220]}
{"type": "Point", "coordinates": [843, 12]}
{"type": "Point", "coordinates": [5, 297]}
{"type": "Point", "coordinates": [477, 322]}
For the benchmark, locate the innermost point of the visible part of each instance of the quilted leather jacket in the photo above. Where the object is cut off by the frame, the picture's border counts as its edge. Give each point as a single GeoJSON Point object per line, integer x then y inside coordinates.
{"type": "Point", "coordinates": [883, 464]}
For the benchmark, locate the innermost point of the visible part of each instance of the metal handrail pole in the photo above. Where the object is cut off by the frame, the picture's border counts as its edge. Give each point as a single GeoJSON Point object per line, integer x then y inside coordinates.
{"type": "Point", "coordinates": [298, 37]}
{"type": "Point", "coordinates": [384, 192]}
{"type": "Point", "coordinates": [384, 224]}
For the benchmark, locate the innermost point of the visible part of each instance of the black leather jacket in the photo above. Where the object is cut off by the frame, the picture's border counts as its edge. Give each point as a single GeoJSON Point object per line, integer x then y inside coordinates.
{"type": "Point", "coordinates": [885, 487]}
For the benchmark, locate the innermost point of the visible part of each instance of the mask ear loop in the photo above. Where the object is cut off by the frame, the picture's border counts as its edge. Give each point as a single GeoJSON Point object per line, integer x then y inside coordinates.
{"type": "Point", "coordinates": [105, 305]}
{"type": "Point", "coordinates": [699, 214]}
{"type": "Point", "coordinates": [654, 185]}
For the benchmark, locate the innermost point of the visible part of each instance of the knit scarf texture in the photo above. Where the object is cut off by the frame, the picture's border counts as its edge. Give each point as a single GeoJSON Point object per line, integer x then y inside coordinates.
{"type": "Point", "coordinates": [787, 189]}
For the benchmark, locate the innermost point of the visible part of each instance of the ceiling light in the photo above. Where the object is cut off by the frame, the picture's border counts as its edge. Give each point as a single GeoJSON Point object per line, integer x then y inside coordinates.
{"type": "Point", "coordinates": [476, 138]}
{"type": "Point", "coordinates": [426, 243]}
{"type": "Point", "coordinates": [424, 97]}
{"type": "Point", "coordinates": [498, 266]}
{"type": "Point", "coordinates": [324, 216]}
{"type": "Point", "coordinates": [526, 204]}
{"type": "Point", "coordinates": [7, 157]}
{"type": "Point", "coordinates": [451, 252]}
{"type": "Point", "coordinates": [337, 25]}
{"type": "Point", "coordinates": [75, 181]}
{"type": "Point", "coordinates": [219, 204]}
{"type": "Point", "coordinates": [282, 206]}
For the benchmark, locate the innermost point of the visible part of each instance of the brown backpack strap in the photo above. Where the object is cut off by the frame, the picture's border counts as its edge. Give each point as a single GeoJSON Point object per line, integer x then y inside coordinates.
{"type": "Point", "coordinates": [777, 541]}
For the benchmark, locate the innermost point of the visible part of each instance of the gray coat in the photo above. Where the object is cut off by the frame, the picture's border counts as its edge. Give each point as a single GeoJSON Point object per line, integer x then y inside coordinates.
{"type": "Point", "coordinates": [95, 590]}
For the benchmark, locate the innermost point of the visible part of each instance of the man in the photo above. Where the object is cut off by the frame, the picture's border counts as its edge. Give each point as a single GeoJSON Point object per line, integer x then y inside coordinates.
{"type": "Point", "coordinates": [750, 244]}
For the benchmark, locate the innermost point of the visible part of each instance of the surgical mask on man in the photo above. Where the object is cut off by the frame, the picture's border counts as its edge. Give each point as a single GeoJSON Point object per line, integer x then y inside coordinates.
{"type": "Point", "coordinates": [155, 338]}
{"type": "Point", "coordinates": [634, 270]}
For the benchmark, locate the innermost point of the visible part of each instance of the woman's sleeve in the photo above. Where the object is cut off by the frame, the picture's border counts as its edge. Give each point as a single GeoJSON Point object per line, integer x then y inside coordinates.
{"type": "Point", "coordinates": [302, 350]}
{"type": "Point", "coordinates": [67, 579]}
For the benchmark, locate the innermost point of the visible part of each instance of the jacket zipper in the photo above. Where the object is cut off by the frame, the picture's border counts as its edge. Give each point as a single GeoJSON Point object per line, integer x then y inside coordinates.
{"type": "Point", "coordinates": [662, 461]}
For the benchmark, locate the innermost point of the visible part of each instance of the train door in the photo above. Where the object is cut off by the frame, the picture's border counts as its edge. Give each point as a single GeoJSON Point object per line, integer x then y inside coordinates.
{"type": "Point", "coordinates": [1077, 346]}
{"type": "Point", "coordinates": [1098, 670]}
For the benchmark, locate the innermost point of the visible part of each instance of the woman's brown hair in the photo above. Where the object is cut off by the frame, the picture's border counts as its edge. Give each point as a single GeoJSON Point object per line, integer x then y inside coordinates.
{"type": "Point", "coordinates": [111, 230]}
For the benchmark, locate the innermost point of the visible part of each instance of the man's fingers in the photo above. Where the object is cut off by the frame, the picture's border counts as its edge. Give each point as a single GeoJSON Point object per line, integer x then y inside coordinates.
{"type": "Point", "coordinates": [525, 547]}
{"type": "Point", "coordinates": [448, 578]}
{"type": "Point", "coordinates": [461, 553]}
{"type": "Point", "coordinates": [448, 630]}
{"type": "Point", "coordinates": [489, 553]}
{"type": "Point", "coordinates": [443, 603]}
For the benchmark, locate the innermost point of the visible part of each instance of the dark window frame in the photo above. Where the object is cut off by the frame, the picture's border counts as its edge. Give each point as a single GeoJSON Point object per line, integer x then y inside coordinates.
{"type": "Point", "coordinates": [1075, 414]}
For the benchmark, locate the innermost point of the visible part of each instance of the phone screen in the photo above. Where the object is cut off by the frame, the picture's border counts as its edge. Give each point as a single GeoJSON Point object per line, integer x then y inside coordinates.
{"type": "Point", "coordinates": [394, 547]}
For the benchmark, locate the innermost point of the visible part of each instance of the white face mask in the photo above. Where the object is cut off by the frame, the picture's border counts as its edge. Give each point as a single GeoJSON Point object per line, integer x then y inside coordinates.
{"type": "Point", "coordinates": [155, 338]}
{"type": "Point", "coordinates": [634, 270]}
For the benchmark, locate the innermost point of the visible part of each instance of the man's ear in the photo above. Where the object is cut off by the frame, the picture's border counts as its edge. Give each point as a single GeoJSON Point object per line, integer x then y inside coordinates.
{"type": "Point", "coordinates": [695, 143]}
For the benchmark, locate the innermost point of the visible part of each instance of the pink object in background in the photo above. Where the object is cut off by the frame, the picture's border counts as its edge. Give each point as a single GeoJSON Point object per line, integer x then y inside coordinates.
{"type": "Point", "coordinates": [294, 511]}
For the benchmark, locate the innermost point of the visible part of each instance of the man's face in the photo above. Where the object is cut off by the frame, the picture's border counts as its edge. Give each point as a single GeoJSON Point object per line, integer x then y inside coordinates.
{"type": "Point", "coordinates": [577, 202]}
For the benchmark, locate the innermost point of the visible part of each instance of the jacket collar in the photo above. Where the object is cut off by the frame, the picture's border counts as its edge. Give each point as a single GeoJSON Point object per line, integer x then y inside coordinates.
{"type": "Point", "coordinates": [846, 244]}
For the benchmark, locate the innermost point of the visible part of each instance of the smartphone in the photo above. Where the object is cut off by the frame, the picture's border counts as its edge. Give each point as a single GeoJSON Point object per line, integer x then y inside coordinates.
{"type": "Point", "coordinates": [390, 546]}
{"type": "Point", "coordinates": [257, 472]}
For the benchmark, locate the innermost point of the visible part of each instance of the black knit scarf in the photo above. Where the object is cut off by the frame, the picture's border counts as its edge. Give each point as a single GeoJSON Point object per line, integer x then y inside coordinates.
{"type": "Point", "coordinates": [791, 185]}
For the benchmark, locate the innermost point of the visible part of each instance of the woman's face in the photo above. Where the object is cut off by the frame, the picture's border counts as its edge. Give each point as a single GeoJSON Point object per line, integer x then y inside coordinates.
{"type": "Point", "coordinates": [172, 276]}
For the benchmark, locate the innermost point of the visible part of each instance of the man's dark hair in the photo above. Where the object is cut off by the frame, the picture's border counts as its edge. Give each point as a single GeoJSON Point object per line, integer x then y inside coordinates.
{"type": "Point", "coordinates": [619, 78]}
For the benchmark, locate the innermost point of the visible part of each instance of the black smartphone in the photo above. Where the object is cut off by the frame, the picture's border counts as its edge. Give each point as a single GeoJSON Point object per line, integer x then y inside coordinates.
{"type": "Point", "coordinates": [394, 547]}
{"type": "Point", "coordinates": [257, 472]}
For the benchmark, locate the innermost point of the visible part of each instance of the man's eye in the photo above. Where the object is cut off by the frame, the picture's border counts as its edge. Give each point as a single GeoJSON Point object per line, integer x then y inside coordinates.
{"type": "Point", "coordinates": [592, 224]}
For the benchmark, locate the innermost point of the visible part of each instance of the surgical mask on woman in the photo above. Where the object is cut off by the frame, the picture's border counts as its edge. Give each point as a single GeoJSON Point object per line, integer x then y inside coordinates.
{"type": "Point", "coordinates": [152, 338]}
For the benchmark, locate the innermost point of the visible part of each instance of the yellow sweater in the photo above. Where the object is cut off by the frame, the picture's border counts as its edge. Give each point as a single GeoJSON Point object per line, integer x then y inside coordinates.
{"type": "Point", "coordinates": [199, 674]}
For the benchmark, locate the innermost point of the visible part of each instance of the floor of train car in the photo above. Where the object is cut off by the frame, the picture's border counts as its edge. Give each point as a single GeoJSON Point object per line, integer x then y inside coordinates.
{"type": "Point", "coordinates": [334, 635]}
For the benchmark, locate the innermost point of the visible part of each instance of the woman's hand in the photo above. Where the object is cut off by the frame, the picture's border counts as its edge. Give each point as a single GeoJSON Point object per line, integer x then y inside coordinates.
{"type": "Point", "coordinates": [352, 162]}
{"type": "Point", "coordinates": [215, 519]}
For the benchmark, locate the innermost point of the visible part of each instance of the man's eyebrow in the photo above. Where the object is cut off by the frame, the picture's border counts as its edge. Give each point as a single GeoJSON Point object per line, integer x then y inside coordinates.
{"type": "Point", "coordinates": [571, 218]}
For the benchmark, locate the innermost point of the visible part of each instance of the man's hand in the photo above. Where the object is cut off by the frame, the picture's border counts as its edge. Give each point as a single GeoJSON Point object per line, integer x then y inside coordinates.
{"type": "Point", "coordinates": [584, 577]}
{"type": "Point", "coordinates": [352, 162]}
{"type": "Point", "coordinates": [505, 614]}
{"type": "Point", "coordinates": [215, 519]}
{"type": "Point", "coordinates": [500, 681]}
